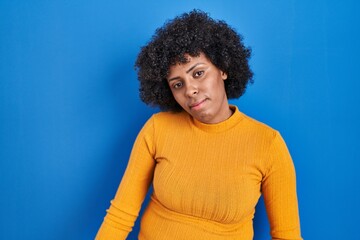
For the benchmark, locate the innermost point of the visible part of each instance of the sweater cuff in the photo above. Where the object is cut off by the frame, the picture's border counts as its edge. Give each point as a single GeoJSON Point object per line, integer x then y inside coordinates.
{"type": "Point", "coordinates": [107, 232]}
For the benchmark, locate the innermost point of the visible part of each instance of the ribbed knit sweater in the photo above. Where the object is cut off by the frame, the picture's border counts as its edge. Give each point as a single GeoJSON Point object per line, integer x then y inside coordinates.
{"type": "Point", "coordinates": [207, 179]}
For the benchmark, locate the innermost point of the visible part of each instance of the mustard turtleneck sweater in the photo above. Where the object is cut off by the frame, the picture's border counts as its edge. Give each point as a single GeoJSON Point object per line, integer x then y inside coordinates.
{"type": "Point", "coordinates": [207, 179]}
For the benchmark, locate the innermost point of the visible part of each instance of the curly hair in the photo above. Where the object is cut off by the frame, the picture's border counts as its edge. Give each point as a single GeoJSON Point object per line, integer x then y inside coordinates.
{"type": "Point", "coordinates": [191, 33]}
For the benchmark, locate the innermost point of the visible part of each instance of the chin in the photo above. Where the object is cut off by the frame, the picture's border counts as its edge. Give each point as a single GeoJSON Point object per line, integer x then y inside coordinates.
{"type": "Point", "coordinates": [205, 117]}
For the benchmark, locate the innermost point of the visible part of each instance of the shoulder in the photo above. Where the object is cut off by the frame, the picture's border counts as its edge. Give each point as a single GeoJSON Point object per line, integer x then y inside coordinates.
{"type": "Point", "coordinates": [259, 129]}
{"type": "Point", "coordinates": [258, 125]}
{"type": "Point", "coordinates": [167, 121]}
{"type": "Point", "coordinates": [170, 118]}
{"type": "Point", "coordinates": [268, 141]}
{"type": "Point", "coordinates": [163, 123]}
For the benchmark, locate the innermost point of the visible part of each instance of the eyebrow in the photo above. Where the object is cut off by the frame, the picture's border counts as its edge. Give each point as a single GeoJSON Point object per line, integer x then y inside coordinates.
{"type": "Point", "coordinates": [187, 71]}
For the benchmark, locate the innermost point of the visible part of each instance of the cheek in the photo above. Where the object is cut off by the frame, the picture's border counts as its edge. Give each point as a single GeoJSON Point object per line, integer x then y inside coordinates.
{"type": "Point", "coordinates": [221, 86]}
{"type": "Point", "coordinates": [215, 87]}
{"type": "Point", "coordinates": [177, 97]}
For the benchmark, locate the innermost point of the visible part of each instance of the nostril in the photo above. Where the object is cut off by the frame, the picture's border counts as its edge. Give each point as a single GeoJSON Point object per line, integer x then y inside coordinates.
{"type": "Point", "coordinates": [191, 91]}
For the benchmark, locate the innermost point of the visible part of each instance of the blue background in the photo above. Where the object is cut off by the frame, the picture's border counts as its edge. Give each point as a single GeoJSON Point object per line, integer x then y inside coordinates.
{"type": "Point", "coordinates": [70, 111]}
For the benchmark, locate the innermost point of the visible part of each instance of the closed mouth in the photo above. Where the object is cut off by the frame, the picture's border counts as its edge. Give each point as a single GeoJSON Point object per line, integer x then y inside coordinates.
{"type": "Point", "coordinates": [197, 103]}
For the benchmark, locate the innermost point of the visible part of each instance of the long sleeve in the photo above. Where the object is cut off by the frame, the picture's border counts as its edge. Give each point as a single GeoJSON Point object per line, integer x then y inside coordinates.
{"type": "Point", "coordinates": [279, 190]}
{"type": "Point", "coordinates": [207, 180]}
{"type": "Point", "coordinates": [125, 207]}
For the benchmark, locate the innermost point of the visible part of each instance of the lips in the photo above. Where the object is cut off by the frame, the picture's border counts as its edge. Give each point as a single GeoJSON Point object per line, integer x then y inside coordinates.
{"type": "Point", "coordinates": [197, 104]}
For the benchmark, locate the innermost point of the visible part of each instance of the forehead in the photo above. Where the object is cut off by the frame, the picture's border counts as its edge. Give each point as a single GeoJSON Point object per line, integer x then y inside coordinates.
{"type": "Point", "coordinates": [190, 61]}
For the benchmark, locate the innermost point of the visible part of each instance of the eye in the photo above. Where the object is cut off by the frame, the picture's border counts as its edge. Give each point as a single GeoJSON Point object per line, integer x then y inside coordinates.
{"type": "Point", "coordinates": [177, 85]}
{"type": "Point", "coordinates": [198, 73]}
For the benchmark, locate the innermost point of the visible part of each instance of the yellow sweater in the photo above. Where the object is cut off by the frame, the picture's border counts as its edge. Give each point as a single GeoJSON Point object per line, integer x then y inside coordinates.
{"type": "Point", "coordinates": [207, 179]}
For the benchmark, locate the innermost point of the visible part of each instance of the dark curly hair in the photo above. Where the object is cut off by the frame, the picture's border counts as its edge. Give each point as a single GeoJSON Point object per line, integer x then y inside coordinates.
{"type": "Point", "coordinates": [191, 33]}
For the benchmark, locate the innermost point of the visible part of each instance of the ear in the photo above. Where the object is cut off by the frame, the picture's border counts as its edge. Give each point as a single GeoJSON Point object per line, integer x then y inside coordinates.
{"type": "Point", "coordinates": [223, 75]}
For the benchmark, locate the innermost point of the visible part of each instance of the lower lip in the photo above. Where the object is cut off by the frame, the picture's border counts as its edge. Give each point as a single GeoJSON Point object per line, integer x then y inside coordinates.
{"type": "Point", "coordinates": [198, 106]}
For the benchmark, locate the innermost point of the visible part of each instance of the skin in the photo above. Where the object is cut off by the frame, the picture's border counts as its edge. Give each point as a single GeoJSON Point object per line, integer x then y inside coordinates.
{"type": "Point", "coordinates": [198, 87]}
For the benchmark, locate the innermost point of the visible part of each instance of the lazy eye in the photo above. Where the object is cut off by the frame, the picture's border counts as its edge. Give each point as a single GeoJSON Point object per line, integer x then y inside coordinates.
{"type": "Point", "coordinates": [198, 73]}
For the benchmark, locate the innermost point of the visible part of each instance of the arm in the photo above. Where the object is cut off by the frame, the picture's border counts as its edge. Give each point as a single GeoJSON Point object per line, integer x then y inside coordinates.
{"type": "Point", "coordinates": [125, 207]}
{"type": "Point", "coordinates": [279, 189]}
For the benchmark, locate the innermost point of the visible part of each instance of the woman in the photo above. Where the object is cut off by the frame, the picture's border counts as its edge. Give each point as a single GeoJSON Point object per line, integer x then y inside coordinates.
{"type": "Point", "coordinates": [208, 162]}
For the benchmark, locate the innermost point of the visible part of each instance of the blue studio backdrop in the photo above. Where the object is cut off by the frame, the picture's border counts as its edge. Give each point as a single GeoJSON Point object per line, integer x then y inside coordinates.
{"type": "Point", "coordinates": [70, 110]}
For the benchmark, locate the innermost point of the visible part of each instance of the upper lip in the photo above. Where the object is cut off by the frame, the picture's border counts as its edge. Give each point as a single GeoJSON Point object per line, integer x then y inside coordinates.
{"type": "Point", "coordinates": [196, 103]}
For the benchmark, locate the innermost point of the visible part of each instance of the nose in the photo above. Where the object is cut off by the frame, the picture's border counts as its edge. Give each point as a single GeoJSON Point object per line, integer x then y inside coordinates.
{"type": "Point", "coordinates": [191, 90]}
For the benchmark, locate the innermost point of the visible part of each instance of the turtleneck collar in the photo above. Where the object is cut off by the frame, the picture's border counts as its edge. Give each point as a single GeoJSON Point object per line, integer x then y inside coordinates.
{"type": "Point", "coordinates": [234, 119]}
